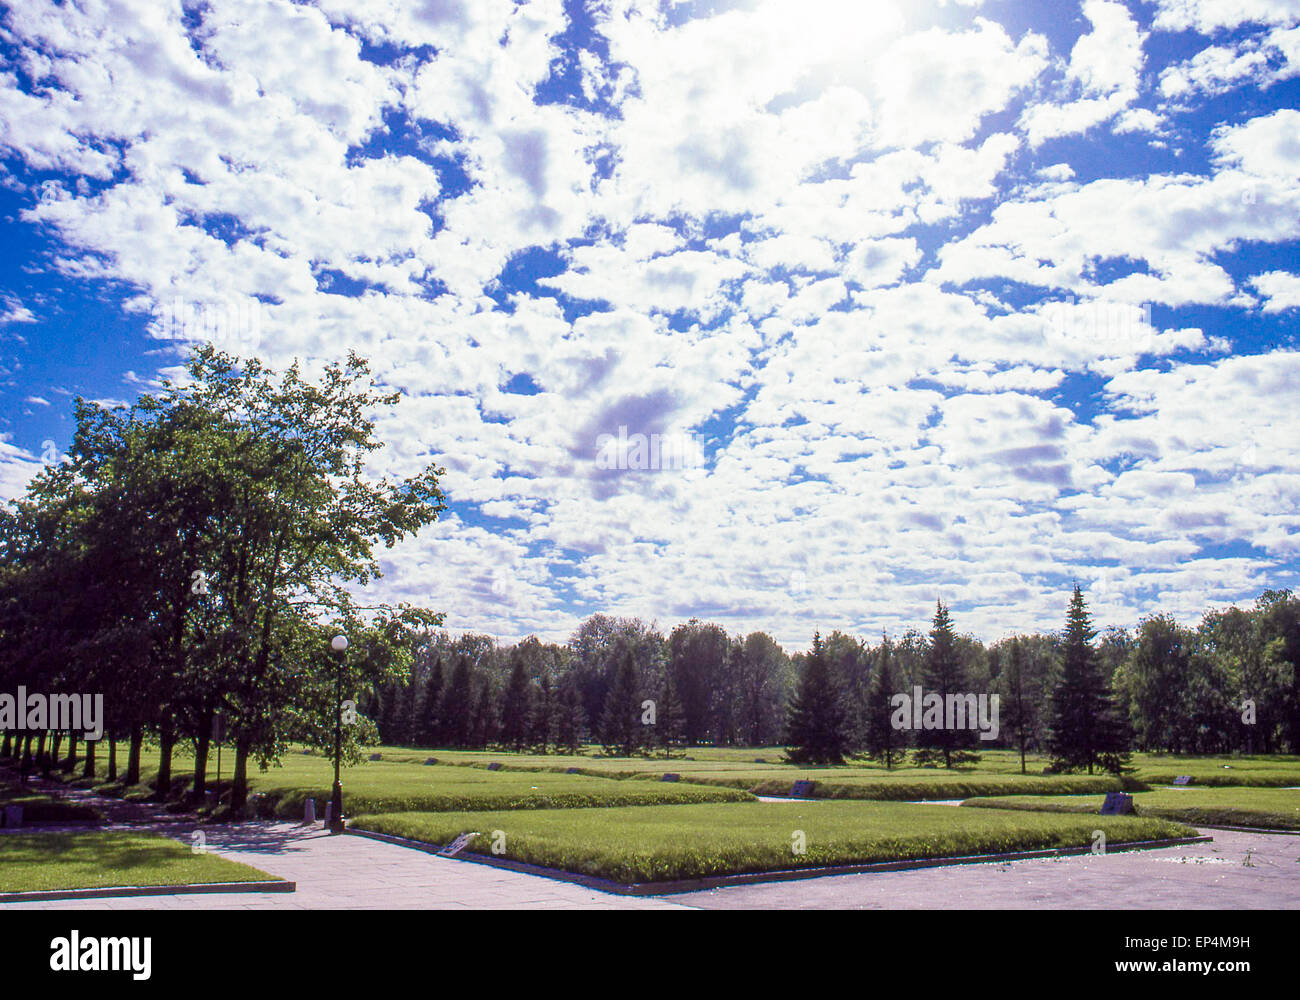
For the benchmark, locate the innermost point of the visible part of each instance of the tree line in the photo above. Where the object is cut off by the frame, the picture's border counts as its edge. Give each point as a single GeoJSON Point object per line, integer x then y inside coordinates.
{"type": "Point", "coordinates": [1081, 696]}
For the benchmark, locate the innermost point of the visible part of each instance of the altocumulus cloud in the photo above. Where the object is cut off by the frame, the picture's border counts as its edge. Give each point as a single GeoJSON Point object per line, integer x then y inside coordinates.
{"type": "Point", "coordinates": [971, 298]}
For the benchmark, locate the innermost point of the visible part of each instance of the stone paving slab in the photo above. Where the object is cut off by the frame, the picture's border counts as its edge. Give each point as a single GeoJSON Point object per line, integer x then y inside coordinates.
{"type": "Point", "coordinates": [355, 873]}
{"type": "Point", "coordinates": [1192, 877]}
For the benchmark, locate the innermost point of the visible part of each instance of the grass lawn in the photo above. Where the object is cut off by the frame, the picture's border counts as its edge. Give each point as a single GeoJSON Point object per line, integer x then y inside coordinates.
{"type": "Point", "coordinates": [396, 785]}
{"type": "Point", "coordinates": [401, 781]}
{"type": "Point", "coordinates": [384, 786]}
{"type": "Point", "coordinates": [31, 862]}
{"type": "Point", "coordinates": [1268, 808]}
{"type": "Point", "coordinates": [41, 808]}
{"type": "Point", "coordinates": [654, 843]}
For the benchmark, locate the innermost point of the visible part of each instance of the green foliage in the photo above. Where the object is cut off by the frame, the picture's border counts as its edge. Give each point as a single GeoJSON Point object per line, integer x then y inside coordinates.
{"type": "Point", "coordinates": [817, 727]}
{"type": "Point", "coordinates": [1087, 728]}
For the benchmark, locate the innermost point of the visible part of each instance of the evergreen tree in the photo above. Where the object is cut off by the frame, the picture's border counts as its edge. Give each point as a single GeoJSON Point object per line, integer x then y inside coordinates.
{"type": "Point", "coordinates": [620, 724]}
{"type": "Point", "coordinates": [817, 726]}
{"type": "Point", "coordinates": [516, 707]}
{"type": "Point", "coordinates": [883, 741]}
{"type": "Point", "coordinates": [541, 720]}
{"type": "Point", "coordinates": [430, 729]}
{"type": "Point", "coordinates": [1020, 712]}
{"type": "Point", "coordinates": [457, 709]}
{"type": "Point", "coordinates": [487, 716]}
{"type": "Point", "coordinates": [945, 676]}
{"type": "Point", "coordinates": [670, 717]}
{"type": "Point", "coordinates": [570, 718]}
{"type": "Point", "coordinates": [1086, 729]}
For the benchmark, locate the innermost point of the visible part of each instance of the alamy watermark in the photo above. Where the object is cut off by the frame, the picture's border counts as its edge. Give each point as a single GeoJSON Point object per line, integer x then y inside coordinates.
{"type": "Point", "coordinates": [648, 452]}
{"type": "Point", "coordinates": [234, 326]}
{"type": "Point", "coordinates": [59, 712]}
{"type": "Point", "coordinates": [957, 711]}
{"type": "Point", "coordinates": [1098, 321]}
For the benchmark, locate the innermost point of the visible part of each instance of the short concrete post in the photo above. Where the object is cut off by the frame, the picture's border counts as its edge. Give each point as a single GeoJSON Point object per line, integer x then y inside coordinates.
{"type": "Point", "coordinates": [309, 812]}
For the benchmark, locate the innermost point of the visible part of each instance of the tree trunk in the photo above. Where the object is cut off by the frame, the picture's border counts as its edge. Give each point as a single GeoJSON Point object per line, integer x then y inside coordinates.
{"type": "Point", "coordinates": [201, 745]}
{"type": "Point", "coordinates": [6, 748]}
{"type": "Point", "coordinates": [70, 761]}
{"type": "Point", "coordinates": [55, 743]}
{"type": "Point", "coordinates": [133, 755]}
{"type": "Point", "coordinates": [239, 790]}
{"type": "Point", "coordinates": [26, 768]}
{"type": "Point", "coordinates": [41, 758]}
{"type": "Point", "coordinates": [89, 770]}
{"type": "Point", "coordinates": [112, 758]}
{"type": "Point", "coordinates": [166, 741]}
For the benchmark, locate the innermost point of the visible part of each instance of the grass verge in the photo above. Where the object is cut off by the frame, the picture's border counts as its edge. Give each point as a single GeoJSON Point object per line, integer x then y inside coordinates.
{"type": "Point", "coordinates": [1265, 808]}
{"type": "Point", "coordinates": [656, 844]}
{"type": "Point", "coordinates": [32, 862]}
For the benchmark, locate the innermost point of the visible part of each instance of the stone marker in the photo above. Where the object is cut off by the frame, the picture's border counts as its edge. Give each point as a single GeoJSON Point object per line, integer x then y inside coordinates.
{"type": "Point", "coordinates": [494, 766]}
{"type": "Point", "coordinates": [802, 789]}
{"type": "Point", "coordinates": [1183, 779]}
{"type": "Point", "coordinates": [13, 816]}
{"type": "Point", "coordinates": [309, 813]}
{"type": "Point", "coordinates": [670, 777]}
{"type": "Point", "coordinates": [329, 813]}
{"type": "Point", "coordinates": [760, 760]}
{"type": "Point", "coordinates": [1117, 804]}
{"type": "Point", "coordinates": [571, 770]}
{"type": "Point", "coordinates": [431, 760]}
{"type": "Point", "coordinates": [376, 756]}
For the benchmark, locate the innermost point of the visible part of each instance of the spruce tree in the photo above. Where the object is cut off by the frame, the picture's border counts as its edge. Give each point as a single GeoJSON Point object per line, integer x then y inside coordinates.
{"type": "Point", "coordinates": [570, 719]}
{"type": "Point", "coordinates": [670, 717]}
{"type": "Point", "coordinates": [620, 724]}
{"type": "Point", "coordinates": [1087, 729]}
{"type": "Point", "coordinates": [457, 708]}
{"type": "Point", "coordinates": [516, 707]}
{"type": "Point", "coordinates": [430, 730]}
{"type": "Point", "coordinates": [883, 741]}
{"type": "Point", "coordinates": [487, 716]}
{"type": "Point", "coordinates": [945, 675]}
{"type": "Point", "coordinates": [541, 717]}
{"type": "Point", "coordinates": [817, 724]}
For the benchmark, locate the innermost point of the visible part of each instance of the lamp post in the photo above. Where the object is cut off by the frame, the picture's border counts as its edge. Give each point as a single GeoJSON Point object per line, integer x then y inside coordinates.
{"type": "Point", "coordinates": [339, 644]}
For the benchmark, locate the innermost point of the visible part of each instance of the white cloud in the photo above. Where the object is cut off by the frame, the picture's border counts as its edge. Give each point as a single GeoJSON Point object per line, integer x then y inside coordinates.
{"type": "Point", "coordinates": [1280, 289]}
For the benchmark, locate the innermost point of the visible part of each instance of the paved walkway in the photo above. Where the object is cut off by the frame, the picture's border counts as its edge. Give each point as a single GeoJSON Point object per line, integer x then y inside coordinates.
{"type": "Point", "coordinates": [356, 873]}
{"type": "Point", "coordinates": [351, 872]}
{"type": "Point", "coordinates": [1194, 877]}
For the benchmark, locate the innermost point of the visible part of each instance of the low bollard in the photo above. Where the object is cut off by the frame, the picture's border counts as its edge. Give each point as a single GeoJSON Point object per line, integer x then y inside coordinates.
{"type": "Point", "coordinates": [309, 812]}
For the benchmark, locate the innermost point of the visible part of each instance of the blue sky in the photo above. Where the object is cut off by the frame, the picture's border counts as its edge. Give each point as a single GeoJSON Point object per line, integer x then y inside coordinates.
{"type": "Point", "coordinates": [967, 299]}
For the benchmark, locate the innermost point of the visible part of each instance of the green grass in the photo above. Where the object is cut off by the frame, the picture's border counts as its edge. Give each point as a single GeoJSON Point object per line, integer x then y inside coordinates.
{"type": "Point", "coordinates": [652, 844]}
{"type": "Point", "coordinates": [383, 786]}
{"type": "Point", "coordinates": [390, 785]}
{"type": "Point", "coordinates": [31, 862]}
{"type": "Point", "coordinates": [1266, 808]}
{"type": "Point", "coordinates": [39, 807]}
